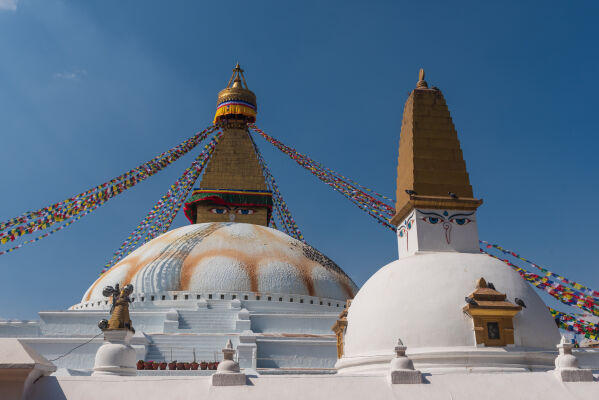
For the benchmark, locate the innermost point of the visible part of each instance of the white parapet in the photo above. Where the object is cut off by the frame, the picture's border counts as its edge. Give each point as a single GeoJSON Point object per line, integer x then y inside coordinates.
{"type": "Point", "coordinates": [140, 343]}
{"type": "Point", "coordinates": [243, 322]}
{"type": "Point", "coordinates": [171, 321]}
{"type": "Point", "coordinates": [247, 350]}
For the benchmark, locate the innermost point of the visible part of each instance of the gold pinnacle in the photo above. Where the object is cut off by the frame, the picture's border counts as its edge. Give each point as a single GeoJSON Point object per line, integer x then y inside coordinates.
{"type": "Point", "coordinates": [421, 82]}
{"type": "Point", "coordinates": [481, 283]}
{"type": "Point", "coordinates": [236, 77]}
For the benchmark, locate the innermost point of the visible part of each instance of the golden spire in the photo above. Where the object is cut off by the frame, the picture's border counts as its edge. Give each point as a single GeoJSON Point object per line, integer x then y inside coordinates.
{"type": "Point", "coordinates": [431, 171]}
{"type": "Point", "coordinates": [233, 187]}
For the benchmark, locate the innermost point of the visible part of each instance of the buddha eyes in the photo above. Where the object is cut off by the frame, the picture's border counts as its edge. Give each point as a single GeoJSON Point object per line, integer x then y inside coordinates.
{"type": "Point", "coordinates": [461, 221]}
{"type": "Point", "coordinates": [222, 210]}
{"type": "Point", "coordinates": [432, 220]}
{"type": "Point", "coordinates": [437, 220]}
{"type": "Point", "coordinates": [245, 211]}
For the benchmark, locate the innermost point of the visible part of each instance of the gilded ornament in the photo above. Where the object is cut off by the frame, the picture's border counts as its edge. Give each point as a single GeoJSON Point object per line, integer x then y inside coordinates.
{"type": "Point", "coordinates": [119, 312]}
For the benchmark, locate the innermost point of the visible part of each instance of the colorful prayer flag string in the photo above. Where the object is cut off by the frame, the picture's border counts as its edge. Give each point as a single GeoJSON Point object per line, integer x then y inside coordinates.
{"type": "Point", "coordinates": [579, 287]}
{"type": "Point", "coordinates": [561, 293]}
{"type": "Point", "coordinates": [379, 210]}
{"type": "Point", "coordinates": [280, 207]}
{"type": "Point", "coordinates": [162, 214]}
{"type": "Point", "coordinates": [45, 235]}
{"type": "Point", "coordinates": [43, 218]}
{"type": "Point", "coordinates": [579, 326]}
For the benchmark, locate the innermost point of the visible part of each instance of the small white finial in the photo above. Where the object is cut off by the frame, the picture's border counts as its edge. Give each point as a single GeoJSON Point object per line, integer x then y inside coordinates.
{"type": "Point", "coordinates": [400, 348]}
{"type": "Point", "coordinates": [228, 351]}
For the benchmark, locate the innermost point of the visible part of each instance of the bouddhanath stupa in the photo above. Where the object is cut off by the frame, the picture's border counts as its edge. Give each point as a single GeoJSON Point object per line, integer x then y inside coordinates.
{"type": "Point", "coordinates": [238, 305]}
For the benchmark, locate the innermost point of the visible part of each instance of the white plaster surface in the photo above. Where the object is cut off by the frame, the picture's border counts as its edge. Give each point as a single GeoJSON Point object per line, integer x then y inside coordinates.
{"type": "Point", "coordinates": [283, 276]}
{"type": "Point", "coordinates": [20, 367]}
{"type": "Point", "coordinates": [420, 298]}
{"type": "Point", "coordinates": [437, 230]}
{"type": "Point", "coordinates": [501, 386]}
{"type": "Point", "coordinates": [220, 273]}
{"type": "Point", "coordinates": [325, 282]}
{"type": "Point", "coordinates": [116, 356]}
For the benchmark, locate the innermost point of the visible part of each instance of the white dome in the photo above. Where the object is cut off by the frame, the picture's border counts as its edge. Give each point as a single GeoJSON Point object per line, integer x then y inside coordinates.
{"type": "Point", "coordinates": [419, 300]}
{"type": "Point", "coordinates": [227, 257]}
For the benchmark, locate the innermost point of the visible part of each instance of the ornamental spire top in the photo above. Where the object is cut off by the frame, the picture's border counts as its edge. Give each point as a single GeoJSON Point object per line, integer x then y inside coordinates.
{"type": "Point", "coordinates": [421, 82]}
{"type": "Point", "coordinates": [236, 104]}
{"type": "Point", "coordinates": [237, 78]}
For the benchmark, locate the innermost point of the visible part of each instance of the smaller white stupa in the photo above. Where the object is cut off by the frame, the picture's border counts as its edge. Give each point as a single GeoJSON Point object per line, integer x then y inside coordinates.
{"type": "Point", "coordinates": [228, 372]}
{"type": "Point", "coordinates": [435, 297]}
{"type": "Point", "coordinates": [567, 368]}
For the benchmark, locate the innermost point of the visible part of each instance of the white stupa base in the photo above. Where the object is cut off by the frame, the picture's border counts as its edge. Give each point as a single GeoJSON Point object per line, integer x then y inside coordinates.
{"type": "Point", "coordinates": [455, 360]}
{"type": "Point", "coordinates": [228, 379]}
{"type": "Point", "coordinates": [116, 356]}
{"type": "Point", "coordinates": [406, 376]}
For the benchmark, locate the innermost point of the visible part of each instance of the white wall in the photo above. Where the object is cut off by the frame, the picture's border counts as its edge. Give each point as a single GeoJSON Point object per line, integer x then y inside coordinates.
{"type": "Point", "coordinates": [438, 230]}
{"type": "Point", "coordinates": [281, 352]}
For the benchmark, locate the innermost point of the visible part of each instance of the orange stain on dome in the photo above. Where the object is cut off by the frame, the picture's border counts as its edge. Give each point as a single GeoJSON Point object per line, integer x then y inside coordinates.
{"type": "Point", "coordinates": [269, 247]}
{"type": "Point", "coordinates": [167, 237]}
{"type": "Point", "coordinates": [248, 263]}
{"type": "Point", "coordinates": [301, 264]}
{"type": "Point", "coordinates": [349, 292]}
{"type": "Point", "coordinates": [260, 256]}
{"type": "Point", "coordinates": [251, 263]}
{"type": "Point", "coordinates": [139, 265]}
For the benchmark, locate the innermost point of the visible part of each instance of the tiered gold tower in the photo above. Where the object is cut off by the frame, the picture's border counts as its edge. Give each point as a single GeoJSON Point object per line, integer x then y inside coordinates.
{"type": "Point", "coordinates": [233, 187]}
{"type": "Point", "coordinates": [431, 172]}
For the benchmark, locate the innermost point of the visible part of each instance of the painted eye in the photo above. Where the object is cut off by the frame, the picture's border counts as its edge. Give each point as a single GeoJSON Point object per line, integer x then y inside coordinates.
{"type": "Point", "coordinates": [432, 220]}
{"type": "Point", "coordinates": [402, 232]}
{"type": "Point", "coordinates": [461, 221]}
{"type": "Point", "coordinates": [219, 210]}
{"type": "Point", "coordinates": [410, 224]}
{"type": "Point", "coordinates": [245, 211]}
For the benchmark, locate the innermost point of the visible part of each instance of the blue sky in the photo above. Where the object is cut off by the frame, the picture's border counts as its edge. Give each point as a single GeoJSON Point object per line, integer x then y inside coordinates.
{"type": "Point", "coordinates": [89, 90]}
